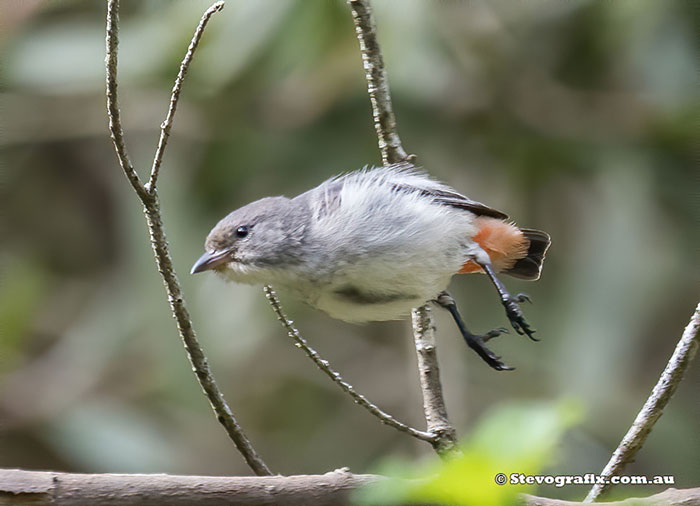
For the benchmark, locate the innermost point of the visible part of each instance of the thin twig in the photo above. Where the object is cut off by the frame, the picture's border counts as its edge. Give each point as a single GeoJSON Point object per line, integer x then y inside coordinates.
{"type": "Point", "coordinates": [322, 364]}
{"type": "Point", "coordinates": [149, 199]}
{"type": "Point", "coordinates": [392, 152]}
{"type": "Point", "coordinates": [175, 95]}
{"type": "Point", "coordinates": [653, 407]}
{"type": "Point", "coordinates": [115, 124]}
{"type": "Point", "coordinates": [433, 402]}
{"type": "Point", "coordinates": [377, 83]}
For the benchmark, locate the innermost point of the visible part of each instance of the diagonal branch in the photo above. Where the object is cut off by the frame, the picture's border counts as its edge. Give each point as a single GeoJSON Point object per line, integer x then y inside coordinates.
{"type": "Point", "coordinates": [653, 407]}
{"type": "Point", "coordinates": [198, 359]}
{"type": "Point", "coordinates": [149, 199]}
{"type": "Point", "coordinates": [166, 126]}
{"type": "Point", "coordinates": [335, 376]}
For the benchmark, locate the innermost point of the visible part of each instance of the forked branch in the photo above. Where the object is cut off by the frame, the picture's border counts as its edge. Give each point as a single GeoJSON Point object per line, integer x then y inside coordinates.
{"type": "Point", "coordinates": [149, 198]}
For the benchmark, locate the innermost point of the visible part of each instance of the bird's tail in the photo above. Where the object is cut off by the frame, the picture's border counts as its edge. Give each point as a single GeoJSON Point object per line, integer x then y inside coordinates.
{"type": "Point", "coordinates": [530, 266]}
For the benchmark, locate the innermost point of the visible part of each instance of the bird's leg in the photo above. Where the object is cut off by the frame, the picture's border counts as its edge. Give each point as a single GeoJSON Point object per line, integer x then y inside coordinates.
{"type": "Point", "coordinates": [475, 342]}
{"type": "Point", "coordinates": [510, 302]}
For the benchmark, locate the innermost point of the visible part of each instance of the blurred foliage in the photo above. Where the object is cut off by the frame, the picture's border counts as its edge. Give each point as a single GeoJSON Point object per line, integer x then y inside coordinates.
{"type": "Point", "coordinates": [510, 439]}
{"type": "Point", "coordinates": [578, 117]}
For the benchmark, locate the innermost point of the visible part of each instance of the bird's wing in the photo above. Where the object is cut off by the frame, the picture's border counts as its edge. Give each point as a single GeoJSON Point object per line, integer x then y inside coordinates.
{"type": "Point", "coordinates": [441, 193]}
{"type": "Point", "coordinates": [457, 200]}
{"type": "Point", "coordinates": [401, 177]}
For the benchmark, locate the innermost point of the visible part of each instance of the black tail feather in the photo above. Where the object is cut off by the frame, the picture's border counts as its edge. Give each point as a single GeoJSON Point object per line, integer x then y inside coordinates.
{"type": "Point", "coordinates": [531, 266]}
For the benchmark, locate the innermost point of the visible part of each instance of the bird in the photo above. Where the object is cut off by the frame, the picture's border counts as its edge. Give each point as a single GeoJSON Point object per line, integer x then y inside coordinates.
{"type": "Point", "coordinates": [372, 244]}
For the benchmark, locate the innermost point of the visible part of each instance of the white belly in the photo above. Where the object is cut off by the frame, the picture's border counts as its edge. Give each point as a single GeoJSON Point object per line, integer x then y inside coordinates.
{"type": "Point", "coordinates": [385, 287]}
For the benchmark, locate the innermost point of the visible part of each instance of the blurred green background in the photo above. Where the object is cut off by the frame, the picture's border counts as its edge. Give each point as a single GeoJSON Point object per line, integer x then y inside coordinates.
{"type": "Point", "coordinates": [578, 117]}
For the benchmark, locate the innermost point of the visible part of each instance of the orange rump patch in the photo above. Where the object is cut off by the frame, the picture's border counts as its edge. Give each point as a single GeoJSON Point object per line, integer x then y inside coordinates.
{"type": "Point", "coordinates": [502, 241]}
{"type": "Point", "coordinates": [470, 267]}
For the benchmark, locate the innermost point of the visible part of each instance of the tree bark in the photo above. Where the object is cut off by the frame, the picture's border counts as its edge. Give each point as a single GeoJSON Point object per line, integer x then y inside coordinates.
{"type": "Point", "coordinates": [18, 487]}
{"type": "Point", "coordinates": [48, 488]}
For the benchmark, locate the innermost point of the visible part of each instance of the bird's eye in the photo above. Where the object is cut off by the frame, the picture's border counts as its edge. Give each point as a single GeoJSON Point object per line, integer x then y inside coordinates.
{"type": "Point", "coordinates": [242, 231]}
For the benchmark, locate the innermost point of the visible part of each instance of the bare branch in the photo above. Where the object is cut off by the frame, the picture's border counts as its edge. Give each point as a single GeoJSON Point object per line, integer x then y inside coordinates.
{"type": "Point", "coordinates": [392, 151]}
{"type": "Point", "coordinates": [45, 488]}
{"type": "Point", "coordinates": [149, 199]}
{"type": "Point", "coordinates": [200, 365]}
{"type": "Point", "coordinates": [335, 376]}
{"type": "Point", "coordinates": [48, 488]}
{"type": "Point", "coordinates": [175, 96]}
{"type": "Point", "coordinates": [377, 83]}
{"type": "Point", "coordinates": [433, 402]}
{"type": "Point", "coordinates": [115, 123]}
{"type": "Point", "coordinates": [653, 407]}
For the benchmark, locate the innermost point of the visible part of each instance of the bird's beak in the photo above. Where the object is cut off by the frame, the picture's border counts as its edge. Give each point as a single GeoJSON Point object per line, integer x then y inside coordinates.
{"type": "Point", "coordinates": [210, 261]}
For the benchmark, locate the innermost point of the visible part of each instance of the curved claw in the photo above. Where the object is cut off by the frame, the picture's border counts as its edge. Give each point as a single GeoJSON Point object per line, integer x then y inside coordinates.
{"type": "Point", "coordinates": [494, 333]}
{"type": "Point", "coordinates": [477, 343]}
{"type": "Point", "coordinates": [522, 297]}
{"type": "Point", "coordinates": [517, 320]}
{"type": "Point", "coordinates": [532, 338]}
{"type": "Point", "coordinates": [491, 358]}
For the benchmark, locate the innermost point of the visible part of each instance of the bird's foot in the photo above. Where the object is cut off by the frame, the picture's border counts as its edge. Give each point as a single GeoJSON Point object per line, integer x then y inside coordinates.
{"type": "Point", "coordinates": [478, 344]}
{"type": "Point", "coordinates": [474, 341]}
{"type": "Point", "coordinates": [515, 314]}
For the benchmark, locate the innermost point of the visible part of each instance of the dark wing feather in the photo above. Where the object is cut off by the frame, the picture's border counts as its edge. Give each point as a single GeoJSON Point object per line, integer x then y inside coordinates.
{"type": "Point", "coordinates": [440, 194]}
{"type": "Point", "coordinates": [457, 200]}
{"type": "Point", "coordinates": [447, 197]}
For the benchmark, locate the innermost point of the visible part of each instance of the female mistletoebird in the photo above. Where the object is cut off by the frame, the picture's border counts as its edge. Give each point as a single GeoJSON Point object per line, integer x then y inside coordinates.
{"type": "Point", "coordinates": [372, 244]}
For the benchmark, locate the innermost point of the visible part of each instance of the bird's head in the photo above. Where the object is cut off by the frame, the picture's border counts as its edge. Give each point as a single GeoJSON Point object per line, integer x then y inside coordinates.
{"type": "Point", "coordinates": [260, 237]}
